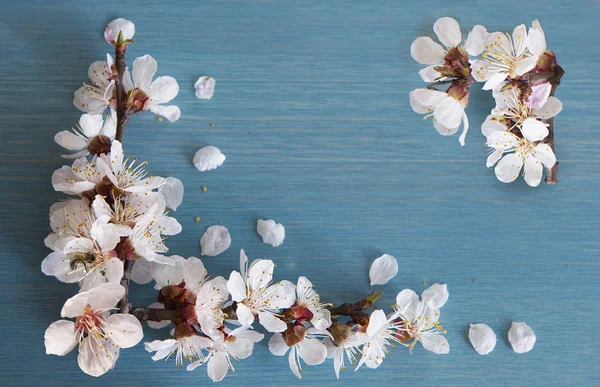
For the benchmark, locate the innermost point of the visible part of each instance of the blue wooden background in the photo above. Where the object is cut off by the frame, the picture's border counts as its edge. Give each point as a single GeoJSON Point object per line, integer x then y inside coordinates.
{"type": "Point", "coordinates": [311, 109]}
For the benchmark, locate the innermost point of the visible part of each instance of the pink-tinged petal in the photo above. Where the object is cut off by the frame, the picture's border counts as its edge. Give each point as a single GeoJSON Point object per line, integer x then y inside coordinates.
{"type": "Point", "coordinates": [218, 365]}
{"type": "Point", "coordinates": [447, 30]}
{"type": "Point", "coordinates": [435, 296]}
{"type": "Point", "coordinates": [429, 74]}
{"type": "Point", "coordinates": [236, 286]}
{"type": "Point", "coordinates": [271, 322]}
{"type": "Point", "coordinates": [124, 330]}
{"type": "Point", "coordinates": [171, 112]}
{"type": "Point", "coordinates": [111, 33]}
{"type": "Point", "coordinates": [312, 351]}
{"type": "Point", "coordinates": [377, 320]}
{"type": "Point", "coordinates": [507, 170]}
{"type": "Point", "coordinates": [97, 356]}
{"type": "Point", "coordinates": [163, 89]}
{"type": "Point", "coordinates": [425, 51]}
{"type": "Point", "coordinates": [449, 113]}
{"type": "Point", "coordinates": [59, 338]}
{"type": "Point", "coordinates": [105, 296]}
{"type": "Point", "coordinates": [475, 43]}
{"type": "Point", "coordinates": [70, 140]}
{"type": "Point", "coordinates": [493, 158]}
{"type": "Point", "coordinates": [435, 343]}
{"type": "Point", "coordinates": [534, 130]}
{"type": "Point", "coordinates": [144, 69]}
{"type": "Point", "coordinates": [545, 154]}
{"type": "Point", "coordinates": [551, 108]}
{"type": "Point", "coordinates": [533, 171]}
{"type": "Point", "coordinates": [539, 95]}
{"type": "Point", "coordinates": [490, 125]}
{"type": "Point", "coordinates": [277, 345]}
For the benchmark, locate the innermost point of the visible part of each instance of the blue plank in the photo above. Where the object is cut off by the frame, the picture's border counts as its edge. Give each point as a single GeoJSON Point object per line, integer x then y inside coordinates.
{"type": "Point", "coordinates": [311, 109]}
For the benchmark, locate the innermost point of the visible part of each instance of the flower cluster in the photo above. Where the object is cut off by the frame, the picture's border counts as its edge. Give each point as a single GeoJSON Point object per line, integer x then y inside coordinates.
{"type": "Point", "coordinates": [522, 75]}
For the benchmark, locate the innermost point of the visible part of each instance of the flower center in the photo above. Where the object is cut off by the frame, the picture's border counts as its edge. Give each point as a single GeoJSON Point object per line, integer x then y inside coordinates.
{"type": "Point", "coordinates": [90, 322]}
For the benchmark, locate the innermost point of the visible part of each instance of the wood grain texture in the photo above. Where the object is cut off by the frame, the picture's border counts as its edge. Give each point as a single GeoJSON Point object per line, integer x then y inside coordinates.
{"type": "Point", "coordinates": [311, 109]}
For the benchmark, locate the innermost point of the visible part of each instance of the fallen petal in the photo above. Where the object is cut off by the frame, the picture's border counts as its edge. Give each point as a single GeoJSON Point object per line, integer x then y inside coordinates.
{"type": "Point", "coordinates": [271, 232]}
{"type": "Point", "coordinates": [205, 87]}
{"type": "Point", "coordinates": [482, 338]}
{"type": "Point", "coordinates": [207, 158]}
{"type": "Point", "coordinates": [215, 240]}
{"type": "Point", "coordinates": [521, 337]}
{"type": "Point", "coordinates": [383, 269]}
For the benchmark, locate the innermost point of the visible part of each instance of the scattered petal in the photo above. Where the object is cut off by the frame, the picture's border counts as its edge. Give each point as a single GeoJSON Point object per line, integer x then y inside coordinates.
{"type": "Point", "coordinates": [383, 269]}
{"type": "Point", "coordinates": [205, 87]}
{"type": "Point", "coordinates": [521, 337]}
{"type": "Point", "coordinates": [271, 232]}
{"type": "Point", "coordinates": [208, 157]}
{"type": "Point", "coordinates": [215, 240]}
{"type": "Point", "coordinates": [482, 338]}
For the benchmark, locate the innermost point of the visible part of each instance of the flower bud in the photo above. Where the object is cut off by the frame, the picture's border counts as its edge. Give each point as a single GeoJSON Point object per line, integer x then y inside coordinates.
{"type": "Point", "coordinates": [547, 61]}
{"type": "Point", "coordinates": [99, 145]}
{"type": "Point", "coordinates": [120, 25]}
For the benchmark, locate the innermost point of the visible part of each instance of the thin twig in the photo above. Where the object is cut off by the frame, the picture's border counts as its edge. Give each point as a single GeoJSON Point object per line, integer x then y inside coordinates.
{"type": "Point", "coordinates": [122, 116]}
{"type": "Point", "coordinates": [153, 314]}
{"type": "Point", "coordinates": [124, 304]}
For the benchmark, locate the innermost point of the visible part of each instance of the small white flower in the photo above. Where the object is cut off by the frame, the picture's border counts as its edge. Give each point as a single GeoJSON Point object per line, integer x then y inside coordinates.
{"type": "Point", "coordinates": [528, 151]}
{"type": "Point", "coordinates": [215, 240]}
{"type": "Point", "coordinates": [420, 318]}
{"type": "Point", "coordinates": [271, 232]}
{"type": "Point", "coordinates": [82, 176]}
{"type": "Point", "coordinates": [99, 335]}
{"type": "Point", "coordinates": [205, 87]}
{"type": "Point", "coordinates": [189, 348]}
{"type": "Point", "coordinates": [237, 344]}
{"type": "Point", "coordinates": [207, 158]}
{"type": "Point", "coordinates": [521, 337]}
{"type": "Point", "coordinates": [448, 112]}
{"type": "Point", "coordinates": [146, 237]}
{"type": "Point", "coordinates": [209, 300]}
{"type": "Point", "coordinates": [383, 269]}
{"type": "Point", "coordinates": [90, 127]}
{"type": "Point", "coordinates": [172, 191]}
{"type": "Point", "coordinates": [482, 337]}
{"type": "Point", "coordinates": [101, 94]}
{"type": "Point", "coordinates": [505, 57]}
{"type": "Point", "coordinates": [309, 348]}
{"type": "Point", "coordinates": [255, 296]}
{"type": "Point", "coordinates": [306, 297]}
{"type": "Point", "coordinates": [381, 332]}
{"type": "Point", "coordinates": [111, 33]}
{"type": "Point", "coordinates": [153, 94]}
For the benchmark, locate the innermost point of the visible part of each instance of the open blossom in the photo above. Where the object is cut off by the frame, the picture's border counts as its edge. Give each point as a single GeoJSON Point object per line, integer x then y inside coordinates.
{"type": "Point", "coordinates": [254, 295]}
{"type": "Point", "coordinates": [505, 57]}
{"type": "Point", "coordinates": [91, 133]}
{"type": "Point", "coordinates": [450, 58]}
{"type": "Point", "coordinates": [151, 95]}
{"type": "Point", "coordinates": [146, 239]}
{"type": "Point", "coordinates": [99, 334]}
{"type": "Point", "coordinates": [419, 318]}
{"type": "Point", "coordinates": [101, 94]}
{"type": "Point", "coordinates": [237, 344]}
{"type": "Point", "coordinates": [303, 344]}
{"type": "Point", "coordinates": [82, 176]}
{"type": "Point", "coordinates": [381, 332]}
{"type": "Point", "coordinates": [528, 151]}
{"type": "Point", "coordinates": [308, 306]}
{"type": "Point", "coordinates": [448, 108]}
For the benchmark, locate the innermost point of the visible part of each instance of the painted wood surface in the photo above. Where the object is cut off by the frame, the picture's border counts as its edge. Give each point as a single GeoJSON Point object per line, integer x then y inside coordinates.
{"type": "Point", "coordinates": [311, 109]}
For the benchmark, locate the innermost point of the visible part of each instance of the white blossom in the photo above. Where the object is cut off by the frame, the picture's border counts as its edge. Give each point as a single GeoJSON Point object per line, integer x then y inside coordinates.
{"type": "Point", "coordinates": [82, 176]}
{"type": "Point", "coordinates": [306, 297]}
{"type": "Point", "coordinates": [521, 337]}
{"type": "Point", "coordinates": [251, 289]}
{"type": "Point", "coordinates": [271, 232]}
{"type": "Point", "coordinates": [101, 94]}
{"type": "Point", "coordinates": [188, 348]}
{"type": "Point", "coordinates": [383, 269]}
{"type": "Point", "coordinates": [99, 334]}
{"type": "Point", "coordinates": [309, 348]}
{"type": "Point", "coordinates": [208, 157]}
{"type": "Point", "coordinates": [205, 87]}
{"type": "Point", "coordinates": [89, 127]}
{"type": "Point", "coordinates": [381, 332]}
{"type": "Point", "coordinates": [215, 240]}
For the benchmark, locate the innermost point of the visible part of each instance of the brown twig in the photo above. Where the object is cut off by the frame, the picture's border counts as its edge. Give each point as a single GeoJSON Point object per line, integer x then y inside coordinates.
{"type": "Point", "coordinates": [124, 304]}
{"type": "Point", "coordinates": [153, 314]}
{"type": "Point", "coordinates": [122, 116]}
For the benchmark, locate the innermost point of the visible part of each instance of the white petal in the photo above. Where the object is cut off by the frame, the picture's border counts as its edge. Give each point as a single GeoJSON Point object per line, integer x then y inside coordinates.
{"type": "Point", "coordinates": [163, 89]}
{"type": "Point", "coordinates": [312, 351]}
{"type": "Point", "coordinates": [435, 296]}
{"type": "Point", "coordinates": [90, 100]}
{"type": "Point", "coordinates": [236, 286]}
{"type": "Point", "coordinates": [475, 43]}
{"type": "Point", "coordinates": [479, 70]}
{"type": "Point", "coordinates": [494, 80]}
{"type": "Point", "coordinates": [205, 87]}
{"type": "Point", "coordinates": [70, 140]}
{"type": "Point", "coordinates": [168, 274]}
{"type": "Point", "coordinates": [521, 337]}
{"type": "Point", "coordinates": [171, 112]}
{"type": "Point", "coordinates": [534, 130]}
{"type": "Point", "coordinates": [144, 69]}
{"type": "Point", "coordinates": [146, 185]}
{"type": "Point", "coordinates": [75, 305]}
{"type": "Point", "coordinates": [59, 338]}
{"type": "Point", "coordinates": [425, 51]}
{"type": "Point", "coordinates": [533, 171]}
{"type": "Point", "coordinates": [113, 270]}
{"type": "Point", "coordinates": [526, 65]}
{"type": "Point", "coordinates": [293, 361]}
{"type": "Point", "coordinates": [282, 295]}
{"type": "Point", "coordinates": [172, 191]}
{"type": "Point", "coordinates": [124, 330]}
{"type": "Point", "coordinates": [435, 343]}
{"type": "Point", "coordinates": [194, 272]}
{"type": "Point", "coordinates": [244, 314]}
{"type": "Point", "coordinates": [277, 345]}
{"type": "Point", "coordinates": [160, 346]}
{"type": "Point", "coordinates": [493, 158]}
{"type": "Point", "coordinates": [428, 98]}
{"type": "Point", "coordinates": [447, 30]}
{"type": "Point", "coordinates": [111, 33]}
{"type": "Point", "coordinates": [463, 135]}
{"type": "Point", "coordinates": [105, 234]}
{"type": "Point", "coordinates": [215, 240]}
{"type": "Point", "coordinates": [483, 338]}
{"type": "Point", "coordinates": [97, 356]}
{"type": "Point", "coordinates": [168, 226]}
{"type": "Point", "coordinates": [491, 125]}
{"type": "Point", "coordinates": [271, 322]}
{"type": "Point", "coordinates": [58, 265]}
{"type": "Point", "coordinates": [260, 274]}
{"type": "Point", "coordinates": [271, 232]}
{"type": "Point", "coordinates": [519, 36]}
{"type": "Point", "coordinates": [208, 157]}
{"type": "Point", "coordinates": [407, 303]}
{"type": "Point", "coordinates": [502, 140]}
{"type": "Point", "coordinates": [105, 296]}
{"type": "Point", "coordinates": [109, 127]}
{"type": "Point", "coordinates": [141, 272]}
{"type": "Point", "coordinates": [383, 269]}
{"type": "Point", "coordinates": [544, 153]}
{"type": "Point", "coordinates": [444, 131]}
{"type": "Point", "coordinates": [377, 320]}
{"type": "Point", "coordinates": [217, 366]}
{"type": "Point", "coordinates": [507, 169]}
{"type": "Point", "coordinates": [429, 74]}
{"type": "Point", "coordinates": [539, 95]}
{"type": "Point", "coordinates": [536, 39]}
{"type": "Point", "coordinates": [449, 112]}
{"type": "Point", "coordinates": [64, 180]}
{"type": "Point", "coordinates": [99, 74]}
{"type": "Point", "coordinates": [551, 108]}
